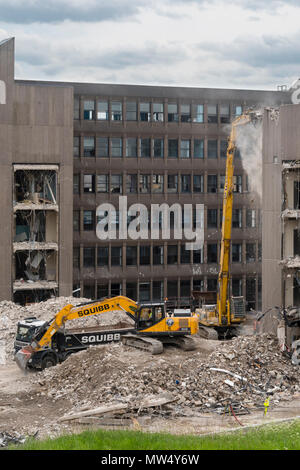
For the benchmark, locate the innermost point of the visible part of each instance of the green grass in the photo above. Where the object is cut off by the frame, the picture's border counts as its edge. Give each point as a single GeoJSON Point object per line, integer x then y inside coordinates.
{"type": "Point", "coordinates": [269, 437]}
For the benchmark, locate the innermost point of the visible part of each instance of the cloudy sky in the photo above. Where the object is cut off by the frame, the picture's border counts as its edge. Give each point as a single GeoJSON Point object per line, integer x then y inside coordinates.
{"type": "Point", "coordinates": [217, 43]}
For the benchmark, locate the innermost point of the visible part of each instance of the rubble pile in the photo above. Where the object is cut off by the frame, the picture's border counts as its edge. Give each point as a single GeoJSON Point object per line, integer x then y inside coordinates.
{"type": "Point", "coordinates": [11, 313]}
{"type": "Point", "coordinates": [243, 372]}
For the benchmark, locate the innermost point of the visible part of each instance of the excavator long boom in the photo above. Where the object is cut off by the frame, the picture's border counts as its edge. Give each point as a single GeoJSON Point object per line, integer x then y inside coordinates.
{"type": "Point", "coordinates": [223, 304]}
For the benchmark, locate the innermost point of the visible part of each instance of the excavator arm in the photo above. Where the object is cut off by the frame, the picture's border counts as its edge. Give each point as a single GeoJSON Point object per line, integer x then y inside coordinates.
{"type": "Point", "coordinates": [223, 303]}
{"type": "Point", "coordinates": [69, 312]}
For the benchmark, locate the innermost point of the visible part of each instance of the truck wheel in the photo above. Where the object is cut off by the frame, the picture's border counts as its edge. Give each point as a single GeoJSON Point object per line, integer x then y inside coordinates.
{"type": "Point", "coordinates": [48, 361]}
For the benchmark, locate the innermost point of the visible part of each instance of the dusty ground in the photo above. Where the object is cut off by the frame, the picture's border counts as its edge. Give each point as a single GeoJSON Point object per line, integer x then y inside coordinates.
{"type": "Point", "coordinates": [25, 411]}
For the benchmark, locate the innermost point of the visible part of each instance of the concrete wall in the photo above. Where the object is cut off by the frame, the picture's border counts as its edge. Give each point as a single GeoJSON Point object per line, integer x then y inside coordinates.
{"type": "Point", "coordinates": [281, 142]}
{"type": "Point", "coordinates": [36, 127]}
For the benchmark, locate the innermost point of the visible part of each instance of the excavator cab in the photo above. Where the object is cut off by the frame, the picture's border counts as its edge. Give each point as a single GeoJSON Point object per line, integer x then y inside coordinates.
{"type": "Point", "coordinates": [148, 314]}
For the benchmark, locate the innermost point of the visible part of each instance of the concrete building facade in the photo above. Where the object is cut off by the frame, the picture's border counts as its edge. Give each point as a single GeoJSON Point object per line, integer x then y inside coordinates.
{"type": "Point", "coordinates": [151, 144]}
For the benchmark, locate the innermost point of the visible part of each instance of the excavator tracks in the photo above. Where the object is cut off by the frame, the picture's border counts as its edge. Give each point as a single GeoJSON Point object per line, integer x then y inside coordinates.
{"type": "Point", "coordinates": [155, 346]}
{"type": "Point", "coordinates": [151, 345]}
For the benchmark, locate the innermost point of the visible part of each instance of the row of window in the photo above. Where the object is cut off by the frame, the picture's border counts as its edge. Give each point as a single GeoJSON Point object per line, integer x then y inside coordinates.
{"type": "Point", "coordinates": [252, 220]}
{"type": "Point", "coordinates": [146, 111]}
{"type": "Point", "coordinates": [134, 147]}
{"type": "Point", "coordinates": [154, 183]}
{"type": "Point", "coordinates": [154, 255]}
{"type": "Point", "coordinates": [175, 289]}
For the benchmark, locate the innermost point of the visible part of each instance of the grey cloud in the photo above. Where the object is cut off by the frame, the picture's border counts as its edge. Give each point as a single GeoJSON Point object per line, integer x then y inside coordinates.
{"type": "Point", "coordinates": [270, 5]}
{"type": "Point", "coordinates": [56, 11]}
{"type": "Point", "coordinates": [258, 52]}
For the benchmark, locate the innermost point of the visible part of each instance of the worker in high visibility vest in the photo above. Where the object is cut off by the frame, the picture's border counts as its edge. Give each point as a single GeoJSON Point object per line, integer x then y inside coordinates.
{"type": "Point", "coordinates": [266, 405]}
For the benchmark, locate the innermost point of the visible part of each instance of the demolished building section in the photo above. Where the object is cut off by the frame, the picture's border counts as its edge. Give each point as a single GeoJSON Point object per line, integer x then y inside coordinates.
{"type": "Point", "coordinates": [35, 242]}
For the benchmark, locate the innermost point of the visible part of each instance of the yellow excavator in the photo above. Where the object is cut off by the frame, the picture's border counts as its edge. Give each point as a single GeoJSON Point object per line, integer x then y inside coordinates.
{"type": "Point", "coordinates": [41, 344]}
{"type": "Point", "coordinates": [220, 319]}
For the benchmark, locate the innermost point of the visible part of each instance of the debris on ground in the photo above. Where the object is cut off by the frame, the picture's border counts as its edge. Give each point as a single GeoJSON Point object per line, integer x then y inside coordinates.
{"type": "Point", "coordinates": [238, 375]}
{"type": "Point", "coordinates": [7, 439]}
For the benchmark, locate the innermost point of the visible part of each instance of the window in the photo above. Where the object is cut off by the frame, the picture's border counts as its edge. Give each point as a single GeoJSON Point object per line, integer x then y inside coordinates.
{"type": "Point", "coordinates": [223, 148]}
{"type": "Point", "coordinates": [157, 183]}
{"type": "Point", "coordinates": [144, 184]}
{"type": "Point", "coordinates": [88, 291]}
{"type": "Point", "coordinates": [198, 285]}
{"type": "Point", "coordinates": [250, 253]}
{"type": "Point", "coordinates": [116, 111]}
{"type": "Point", "coordinates": [145, 255]}
{"type": "Point", "coordinates": [116, 147]}
{"type": "Point", "coordinates": [158, 255]}
{"type": "Point", "coordinates": [238, 110]}
{"type": "Point", "coordinates": [102, 183]}
{"type": "Point", "coordinates": [185, 183]}
{"type": "Point", "coordinates": [146, 148]}
{"type": "Point", "coordinates": [172, 112]}
{"type": "Point", "coordinates": [172, 289]}
{"type": "Point", "coordinates": [102, 147]}
{"type": "Point", "coordinates": [212, 218]}
{"type": "Point", "coordinates": [212, 113]}
{"type": "Point", "coordinates": [102, 256]}
{"type": "Point", "coordinates": [158, 148]}
{"type": "Point", "coordinates": [185, 255]}
{"type": "Point", "coordinates": [158, 112]}
{"type": "Point", "coordinates": [76, 221]}
{"type": "Point", "coordinates": [212, 285]}
{"type": "Point", "coordinates": [224, 113]}
{"type": "Point", "coordinates": [212, 253]}
{"type": "Point", "coordinates": [236, 252]}
{"type": "Point", "coordinates": [198, 148]}
{"type": "Point", "coordinates": [131, 147]}
{"type": "Point", "coordinates": [76, 146]}
{"type": "Point", "coordinates": [185, 113]}
{"type": "Point", "coordinates": [131, 111]}
{"type": "Point", "coordinates": [88, 220]}
{"type": "Point", "coordinates": [145, 112]}
{"type": "Point", "coordinates": [116, 184]}
{"type": "Point", "coordinates": [116, 256]}
{"type": "Point", "coordinates": [131, 255]}
{"type": "Point", "coordinates": [250, 293]}
{"type": "Point", "coordinates": [102, 110]}
{"type": "Point", "coordinates": [296, 195]}
{"type": "Point", "coordinates": [172, 183]}
{"type": "Point", "coordinates": [131, 183]}
{"type": "Point", "coordinates": [198, 184]}
{"type": "Point", "coordinates": [222, 183]}
{"type": "Point", "coordinates": [76, 108]}
{"type": "Point", "coordinates": [198, 113]}
{"type": "Point", "coordinates": [88, 110]}
{"type": "Point", "coordinates": [102, 291]}
{"type": "Point", "coordinates": [237, 184]}
{"type": "Point", "coordinates": [115, 289]}
{"type": "Point", "coordinates": [88, 183]}
{"type": "Point", "coordinates": [76, 257]}
{"type": "Point", "coordinates": [173, 148]}
{"type": "Point", "coordinates": [131, 290]}
{"type": "Point", "coordinates": [89, 146]}
{"type": "Point", "coordinates": [185, 288]}
{"type": "Point", "coordinates": [172, 254]}
{"type": "Point", "coordinates": [198, 257]}
{"type": "Point", "coordinates": [211, 183]}
{"type": "Point", "coordinates": [259, 251]}
{"type": "Point", "coordinates": [250, 218]}
{"type": "Point", "coordinates": [237, 287]}
{"type": "Point", "coordinates": [89, 257]}
{"type": "Point", "coordinates": [76, 184]}
{"type": "Point", "coordinates": [185, 148]}
{"type": "Point", "coordinates": [212, 149]}
{"type": "Point", "coordinates": [157, 290]}
{"type": "Point", "coordinates": [144, 288]}
{"type": "Point", "coordinates": [237, 218]}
